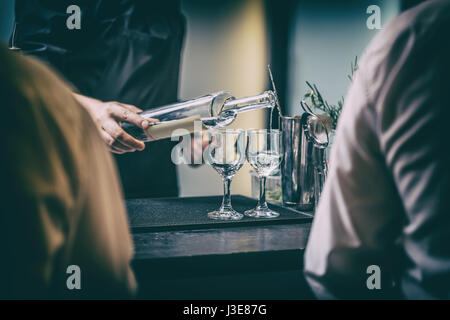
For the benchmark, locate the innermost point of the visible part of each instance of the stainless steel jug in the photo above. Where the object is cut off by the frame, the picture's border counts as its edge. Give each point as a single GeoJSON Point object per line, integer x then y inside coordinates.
{"type": "Point", "coordinates": [304, 168]}
{"type": "Point", "coordinates": [297, 171]}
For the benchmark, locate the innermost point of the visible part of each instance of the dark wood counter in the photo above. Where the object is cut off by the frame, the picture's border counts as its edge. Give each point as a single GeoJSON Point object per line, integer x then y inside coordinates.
{"type": "Point", "coordinates": [203, 259]}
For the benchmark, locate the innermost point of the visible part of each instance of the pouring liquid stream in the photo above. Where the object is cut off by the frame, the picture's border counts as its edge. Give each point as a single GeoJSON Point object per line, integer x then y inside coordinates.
{"type": "Point", "coordinates": [277, 101]}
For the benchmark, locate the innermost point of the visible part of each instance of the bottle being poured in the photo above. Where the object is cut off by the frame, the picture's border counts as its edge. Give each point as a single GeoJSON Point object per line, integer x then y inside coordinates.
{"type": "Point", "coordinates": [214, 110]}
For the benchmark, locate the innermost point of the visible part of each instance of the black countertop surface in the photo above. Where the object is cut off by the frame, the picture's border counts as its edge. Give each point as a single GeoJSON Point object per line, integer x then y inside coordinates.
{"type": "Point", "coordinates": [180, 253]}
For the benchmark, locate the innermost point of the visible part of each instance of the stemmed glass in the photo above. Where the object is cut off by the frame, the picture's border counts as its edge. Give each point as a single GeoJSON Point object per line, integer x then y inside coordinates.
{"type": "Point", "coordinates": [226, 154]}
{"type": "Point", "coordinates": [263, 154]}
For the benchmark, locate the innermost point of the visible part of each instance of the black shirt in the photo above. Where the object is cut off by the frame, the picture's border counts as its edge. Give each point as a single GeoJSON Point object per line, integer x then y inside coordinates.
{"type": "Point", "coordinates": [127, 51]}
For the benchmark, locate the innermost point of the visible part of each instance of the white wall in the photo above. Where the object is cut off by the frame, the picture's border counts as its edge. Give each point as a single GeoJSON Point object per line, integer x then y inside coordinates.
{"type": "Point", "coordinates": [225, 49]}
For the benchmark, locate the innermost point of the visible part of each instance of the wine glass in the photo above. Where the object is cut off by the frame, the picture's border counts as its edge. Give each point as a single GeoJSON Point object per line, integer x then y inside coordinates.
{"type": "Point", "coordinates": [263, 154]}
{"type": "Point", "coordinates": [226, 154]}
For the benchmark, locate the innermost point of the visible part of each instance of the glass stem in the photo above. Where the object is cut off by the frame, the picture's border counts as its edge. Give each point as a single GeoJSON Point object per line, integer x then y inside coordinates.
{"type": "Point", "coordinates": [226, 202]}
{"type": "Point", "coordinates": [262, 192]}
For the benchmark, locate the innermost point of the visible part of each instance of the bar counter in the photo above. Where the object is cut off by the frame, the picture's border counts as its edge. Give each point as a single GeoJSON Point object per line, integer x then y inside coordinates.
{"type": "Point", "coordinates": [181, 254]}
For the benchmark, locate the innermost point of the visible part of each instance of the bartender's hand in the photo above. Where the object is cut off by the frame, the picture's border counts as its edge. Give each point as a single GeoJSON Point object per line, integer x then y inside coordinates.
{"type": "Point", "coordinates": [108, 115]}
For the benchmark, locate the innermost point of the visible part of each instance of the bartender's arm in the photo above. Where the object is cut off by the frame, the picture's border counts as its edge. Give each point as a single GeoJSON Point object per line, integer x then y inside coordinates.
{"type": "Point", "coordinates": [108, 115]}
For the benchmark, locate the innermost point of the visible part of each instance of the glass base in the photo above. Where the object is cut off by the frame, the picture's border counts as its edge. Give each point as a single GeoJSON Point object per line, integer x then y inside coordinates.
{"type": "Point", "coordinates": [225, 214]}
{"type": "Point", "coordinates": [261, 212]}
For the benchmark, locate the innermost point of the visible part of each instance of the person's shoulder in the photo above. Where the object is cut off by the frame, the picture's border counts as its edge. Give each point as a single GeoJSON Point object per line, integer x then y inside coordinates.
{"type": "Point", "coordinates": [408, 40]}
{"type": "Point", "coordinates": [42, 107]}
{"type": "Point", "coordinates": [44, 90]}
{"type": "Point", "coordinates": [410, 28]}
{"type": "Point", "coordinates": [418, 21]}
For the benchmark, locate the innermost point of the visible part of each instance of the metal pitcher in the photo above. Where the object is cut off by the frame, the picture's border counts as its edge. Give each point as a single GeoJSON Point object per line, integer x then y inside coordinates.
{"type": "Point", "coordinates": [297, 171]}
{"type": "Point", "coordinates": [304, 166]}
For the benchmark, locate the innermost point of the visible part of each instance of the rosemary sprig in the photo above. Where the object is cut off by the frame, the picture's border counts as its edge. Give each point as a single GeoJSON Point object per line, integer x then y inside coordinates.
{"type": "Point", "coordinates": [314, 101]}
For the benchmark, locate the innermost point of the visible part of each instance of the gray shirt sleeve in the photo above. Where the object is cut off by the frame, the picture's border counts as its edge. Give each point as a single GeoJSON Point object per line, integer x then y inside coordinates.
{"type": "Point", "coordinates": [386, 201]}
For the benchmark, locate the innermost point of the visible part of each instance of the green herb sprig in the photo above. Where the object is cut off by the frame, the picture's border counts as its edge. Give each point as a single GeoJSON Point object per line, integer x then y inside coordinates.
{"type": "Point", "coordinates": [314, 101]}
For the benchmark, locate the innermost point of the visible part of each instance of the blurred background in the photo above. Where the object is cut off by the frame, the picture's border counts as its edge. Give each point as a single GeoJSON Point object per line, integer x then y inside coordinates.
{"type": "Point", "coordinates": [229, 43]}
